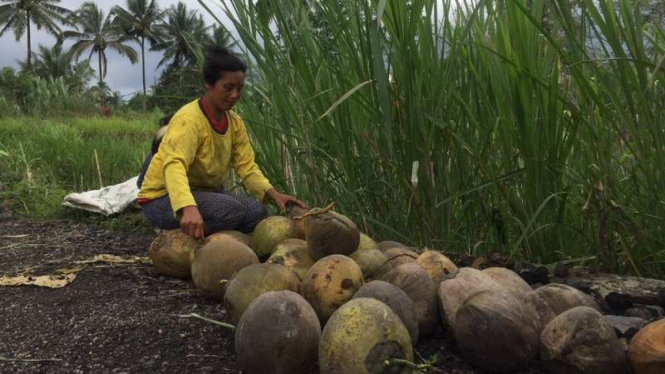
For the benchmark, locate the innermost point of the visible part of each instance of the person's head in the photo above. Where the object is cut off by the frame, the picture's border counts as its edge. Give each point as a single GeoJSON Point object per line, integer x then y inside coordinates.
{"type": "Point", "coordinates": [224, 77]}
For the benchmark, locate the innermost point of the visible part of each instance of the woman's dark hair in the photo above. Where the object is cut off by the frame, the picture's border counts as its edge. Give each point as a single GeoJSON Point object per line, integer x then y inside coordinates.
{"type": "Point", "coordinates": [217, 61]}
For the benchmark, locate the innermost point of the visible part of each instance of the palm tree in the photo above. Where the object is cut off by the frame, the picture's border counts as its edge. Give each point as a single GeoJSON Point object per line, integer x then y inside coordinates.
{"type": "Point", "coordinates": [97, 33]}
{"type": "Point", "coordinates": [140, 20]}
{"type": "Point", "coordinates": [19, 14]}
{"type": "Point", "coordinates": [183, 31]}
{"type": "Point", "coordinates": [53, 63]}
{"type": "Point", "coordinates": [222, 38]}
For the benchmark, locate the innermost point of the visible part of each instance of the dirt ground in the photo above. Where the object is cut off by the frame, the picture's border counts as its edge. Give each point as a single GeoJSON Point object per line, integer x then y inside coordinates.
{"type": "Point", "coordinates": [118, 318]}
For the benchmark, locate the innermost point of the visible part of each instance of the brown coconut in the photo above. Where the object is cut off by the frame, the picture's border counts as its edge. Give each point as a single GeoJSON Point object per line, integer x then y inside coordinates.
{"type": "Point", "coordinates": [252, 282]}
{"type": "Point", "coordinates": [330, 283]}
{"type": "Point", "coordinates": [278, 334]}
{"type": "Point", "coordinates": [296, 215]}
{"type": "Point", "coordinates": [646, 353]}
{"type": "Point", "coordinates": [553, 299]}
{"type": "Point", "coordinates": [436, 264]}
{"type": "Point", "coordinates": [581, 340]}
{"type": "Point", "coordinates": [396, 257]}
{"type": "Point", "coordinates": [366, 243]}
{"type": "Point", "coordinates": [369, 260]}
{"type": "Point", "coordinates": [217, 261]}
{"type": "Point", "coordinates": [510, 280]}
{"type": "Point", "coordinates": [270, 232]}
{"type": "Point", "coordinates": [330, 233]}
{"type": "Point", "coordinates": [237, 235]}
{"type": "Point", "coordinates": [361, 336]}
{"type": "Point", "coordinates": [454, 292]}
{"type": "Point", "coordinates": [416, 283]}
{"type": "Point", "coordinates": [396, 299]}
{"type": "Point", "coordinates": [496, 331]}
{"type": "Point", "coordinates": [388, 244]}
{"type": "Point", "coordinates": [293, 254]}
{"type": "Point", "coordinates": [170, 251]}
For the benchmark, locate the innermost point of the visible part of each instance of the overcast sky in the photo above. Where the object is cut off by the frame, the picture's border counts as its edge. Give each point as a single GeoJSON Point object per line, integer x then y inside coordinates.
{"type": "Point", "coordinates": [122, 75]}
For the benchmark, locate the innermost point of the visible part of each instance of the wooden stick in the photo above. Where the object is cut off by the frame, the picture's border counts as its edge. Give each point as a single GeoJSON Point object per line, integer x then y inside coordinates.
{"type": "Point", "coordinates": [194, 315]}
{"type": "Point", "coordinates": [99, 170]}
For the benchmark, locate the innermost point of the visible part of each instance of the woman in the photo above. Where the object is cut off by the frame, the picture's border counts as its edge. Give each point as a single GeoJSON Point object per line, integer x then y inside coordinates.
{"type": "Point", "coordinates": [182, 185]}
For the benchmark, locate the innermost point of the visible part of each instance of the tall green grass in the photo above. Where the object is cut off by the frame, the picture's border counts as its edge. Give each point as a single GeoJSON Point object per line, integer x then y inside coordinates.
{"type": "Point", "coordinates": [534, 128]}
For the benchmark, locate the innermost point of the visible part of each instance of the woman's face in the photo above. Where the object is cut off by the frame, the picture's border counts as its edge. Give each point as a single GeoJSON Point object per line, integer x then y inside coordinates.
{"type": "Point", "coordinates": [226, 92]}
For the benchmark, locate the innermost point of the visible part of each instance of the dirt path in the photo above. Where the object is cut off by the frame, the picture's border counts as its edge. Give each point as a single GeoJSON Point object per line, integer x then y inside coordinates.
{"type": "Point", "coordinates": [117, 318]}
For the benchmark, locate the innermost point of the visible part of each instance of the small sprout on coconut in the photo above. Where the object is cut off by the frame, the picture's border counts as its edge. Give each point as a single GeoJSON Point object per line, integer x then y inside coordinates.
{"type": "Point", "coordinates": [580, 340]}
{"type": "Point", "coordinates": [279, 333]}
{"type": "Point", "coordinates": [361, 336]}
{"type": "Point", "coordinates": [216, 262]}
{"type": "Point", "coordinates": [170, 251]}
{"type": "Point", "coordinates": [330, 233]}
{"type": "Point", "coordinates": [270, 232]}
{"type": "Point", "coordinates": [296, 215]}
{"type": "Point", "coordinates": [646, 353]}
{"type": "Point", "coordinates": [252, 282]}
{"type": "Point", "coordinates": [330, 283]}
{"type": "Point", "coordinates": [293, 254]}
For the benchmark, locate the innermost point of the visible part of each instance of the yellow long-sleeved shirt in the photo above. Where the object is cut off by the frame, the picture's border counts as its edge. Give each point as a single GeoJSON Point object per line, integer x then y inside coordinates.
{"type": "Point", "coordinates": [193, 155]}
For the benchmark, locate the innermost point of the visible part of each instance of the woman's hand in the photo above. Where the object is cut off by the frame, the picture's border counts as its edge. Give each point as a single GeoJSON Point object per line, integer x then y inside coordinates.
{"type": "Point", "coordinates": [282, 200]}
{"type": "Point", "coordinates": [191, 222]}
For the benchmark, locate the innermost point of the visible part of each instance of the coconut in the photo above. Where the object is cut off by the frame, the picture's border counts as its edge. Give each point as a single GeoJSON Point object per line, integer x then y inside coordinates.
{"type": "Point", "coordinates": [278, 334]}
{"type": "Point", "coordinates": [270, 232]}
{"type": "Point", "coordinates": [646, 353]}
{"type": "Point", "coordinates": [388, 244]}
{"type": "Point", "coordinates": [496, 331]}
{"type": "Point", "coordinates": [330, 283]}
{"type": "Point", "coordinates": [361, 336]}
{"type": "Point", "coordinates": [454, 292]}
{"type": "Point", "coordinates": [398, 301]}
{"type": "Point", "coordinates": [252, 282]}
{"type": "Point", "coordinates": [369, 260]}
{"type": "Point", "coordinates": [330, 233]}
{"type": "Point", "coordinates": [580, 340]}
{"type": "Point", "coordinates": [296, 215]}
{"type": "Point", "coordinates": [436, 264]}
{"type": "Point", "coordinates": [510, 280]}
{"type": "Point", "coordinates": [553, 299]}
{"type": "Point", "coordinates": [217, 261]}
{"type": "Point", "coordinates": [237, 235]}
{"type": "Point", "coordinates": [396, 257]}
{"type": "Point", "coordinates": [293, 254]}
{"type": "Point", "coordinates": [170, 251]}
{"type": "Point", "coordinates": [366, 243]}
{"type": "Point", "coordinates": [416, 283]}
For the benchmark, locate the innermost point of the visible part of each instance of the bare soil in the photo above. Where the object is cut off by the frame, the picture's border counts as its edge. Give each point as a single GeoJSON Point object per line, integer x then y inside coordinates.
{"type": "Point", "coordinates": [119, 318]}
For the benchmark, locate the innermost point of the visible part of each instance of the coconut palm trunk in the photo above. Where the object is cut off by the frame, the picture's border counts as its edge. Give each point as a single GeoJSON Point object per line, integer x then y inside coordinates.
{"type": "Point", "coordinates": [145, 91]}
{"type": "Point", "coordinates": [29, 49]}
{"type": "Point", "coordinates": [102, 94]}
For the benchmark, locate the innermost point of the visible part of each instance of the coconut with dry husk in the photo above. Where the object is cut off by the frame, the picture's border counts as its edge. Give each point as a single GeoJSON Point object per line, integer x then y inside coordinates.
{"type": "Point", "coordinates": [396, 299]}
{"type": "Point", "coordinates": [389, 244]}
{"type": "Point", "coordinates": [252, 282]}
{"type": "Point", "coordinates": [331, 282]}
{"type": "Point", "coordinates": [369, 260]}
{"type": "Point", "coordinates": [366, 243]}
{"type": "Point", "coordinates": [278, 334]}
{"type": "Point", "coordinates": [581, 340]}
{"type": "Point", "coordinates": [454, 291]}
{"type": "Point", "coordinates": [396, 257]}
{"type": "Point", "coordinates": [496, 331]}
{"type": "Point", "coordinates": [170, 251]}
{"type": "Point", "coordinates": [510, 280]}
{"type": "Point", "coordinates": [436, 264]}
{"type": "Point", "coordinates": [416, 283]}
{"type": "Point", "coordinates": [216, 262]}
{"type": "Point", "coordinates": [293, 254]}
{"type": "Point", "coordinates": [270, 232]}
{"type": "Point", "coordinates": [646, 353]}
{"type": "Point", "coordinates": [365, 336]}
{"type": "Point", "coordinates": [296, 214]}
{"type": "Point", "coordinates": [237, 235]}
{"type": "Point", "coordinates": [551, 300]}
{"type": "Point", "coordinates": [330, 233]}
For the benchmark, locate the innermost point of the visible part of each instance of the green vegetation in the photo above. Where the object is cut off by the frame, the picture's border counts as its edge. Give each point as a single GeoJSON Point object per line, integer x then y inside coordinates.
{"type": "Point", "coordinates": [529, 127]}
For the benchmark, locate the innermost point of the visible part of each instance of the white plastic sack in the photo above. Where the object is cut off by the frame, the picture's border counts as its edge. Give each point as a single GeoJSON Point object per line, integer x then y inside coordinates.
{"type": "Point", "coordinates": [109, 200]}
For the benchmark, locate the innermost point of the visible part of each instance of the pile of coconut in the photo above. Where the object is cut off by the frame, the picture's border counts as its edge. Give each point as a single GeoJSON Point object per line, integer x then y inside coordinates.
{"type": "Point", "coordinates": [335, 296]}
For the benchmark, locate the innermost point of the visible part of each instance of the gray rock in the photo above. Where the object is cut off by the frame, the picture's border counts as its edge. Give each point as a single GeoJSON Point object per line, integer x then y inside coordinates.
{"type": "Point", "coordinates": [626, 327]}
{"type": "Point", "coordinates": [647, 312]}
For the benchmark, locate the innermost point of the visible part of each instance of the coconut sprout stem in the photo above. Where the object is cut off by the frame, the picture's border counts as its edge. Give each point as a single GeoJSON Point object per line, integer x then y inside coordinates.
{"type": "Point", "coordinates": [194, 315]}
{"type": "Point", "coordinates": [399, 361]}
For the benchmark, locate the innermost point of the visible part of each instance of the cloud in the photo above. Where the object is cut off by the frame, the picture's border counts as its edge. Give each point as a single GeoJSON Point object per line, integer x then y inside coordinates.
{"type": "Point", "coordinates": [122, 75]}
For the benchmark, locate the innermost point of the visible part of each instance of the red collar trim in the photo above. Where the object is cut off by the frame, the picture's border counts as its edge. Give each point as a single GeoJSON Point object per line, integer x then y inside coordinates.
{"type": "Point", "coordinates": [219, 126]}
